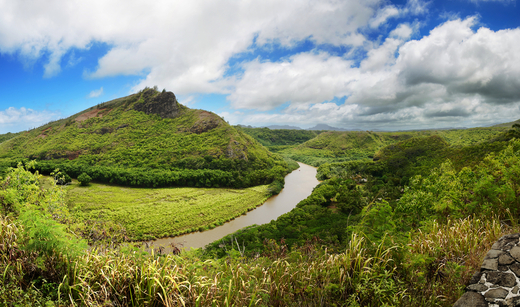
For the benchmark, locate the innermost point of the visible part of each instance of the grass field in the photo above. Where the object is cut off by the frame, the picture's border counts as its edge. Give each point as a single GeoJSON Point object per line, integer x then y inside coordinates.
{"type": "Point", "coordinates": [155, 213]}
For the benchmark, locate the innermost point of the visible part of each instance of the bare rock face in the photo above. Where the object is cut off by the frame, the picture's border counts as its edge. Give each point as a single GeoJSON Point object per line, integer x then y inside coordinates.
{"type": "Point", "coordinates": [165, 105]}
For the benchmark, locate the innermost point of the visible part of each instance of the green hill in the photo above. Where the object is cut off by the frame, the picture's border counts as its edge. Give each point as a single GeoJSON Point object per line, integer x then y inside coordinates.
{"type": "Point", "coordinates": [147, 139]}
{"type": "Point", "coordinates": [334, 146]}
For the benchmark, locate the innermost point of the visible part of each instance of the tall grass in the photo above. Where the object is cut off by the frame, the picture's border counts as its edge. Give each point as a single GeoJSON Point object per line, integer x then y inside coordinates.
{"type": "Point", "coordinates": [443, 257]}
{"type": "Point", "coordinates": [430, 270]}
{"type": "Point", "coordinates": [315, 278]}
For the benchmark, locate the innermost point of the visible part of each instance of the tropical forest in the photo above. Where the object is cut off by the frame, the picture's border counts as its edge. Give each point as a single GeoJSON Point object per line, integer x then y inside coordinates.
{"type": "Point", "coordinates": [395, 218]}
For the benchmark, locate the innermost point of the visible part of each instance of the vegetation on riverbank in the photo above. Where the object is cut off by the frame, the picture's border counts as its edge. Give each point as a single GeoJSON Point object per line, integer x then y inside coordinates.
{"type": "Point", "coordinates": [397, 230]}
{"type": "Point", "coordinates": [421, 270]}
{"type": "Point", "coordinates": [155, 213]}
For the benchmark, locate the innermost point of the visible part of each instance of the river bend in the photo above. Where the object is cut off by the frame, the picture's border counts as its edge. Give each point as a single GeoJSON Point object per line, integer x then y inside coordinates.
{"type": "Point", "coordinates": [298, 186]}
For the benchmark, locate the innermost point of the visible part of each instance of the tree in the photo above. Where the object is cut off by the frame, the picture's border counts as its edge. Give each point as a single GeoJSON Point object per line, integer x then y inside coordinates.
{"type": "Point", "coordinates": [84, 179]}
{"type": "Point", "coordinates": [60, 177]}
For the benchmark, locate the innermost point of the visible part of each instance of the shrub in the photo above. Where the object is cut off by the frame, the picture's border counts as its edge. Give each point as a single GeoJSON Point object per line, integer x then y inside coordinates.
{"type": "Point", "coordinates": [84, 179]}
{"type": "Point", "coordinates": [60, 177]}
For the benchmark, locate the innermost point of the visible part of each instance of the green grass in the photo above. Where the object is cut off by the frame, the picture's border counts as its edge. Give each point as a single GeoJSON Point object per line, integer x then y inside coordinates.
{"type": "Point", "coordinates": [152, 213]}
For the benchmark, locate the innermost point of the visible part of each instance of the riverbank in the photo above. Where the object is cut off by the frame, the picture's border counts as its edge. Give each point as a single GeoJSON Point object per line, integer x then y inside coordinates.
{"type": "Point", "coordinates": [147, 214]}
{"type": "Point", "coordinates": [298, 186]}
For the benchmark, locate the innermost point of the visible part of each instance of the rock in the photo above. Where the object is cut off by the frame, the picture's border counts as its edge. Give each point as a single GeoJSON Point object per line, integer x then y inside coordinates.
{"type": "Point", "coordinates": [505, 259]}
{"type": "Point", "coordinates": [501, 279]}
{"type": "Point", "coordinates": [515, 253]}
{"type": "Point", "coordinates": [515, 268]}
{"type": "Point", "coordinates": [490, 264]}
{"type": "Point", "coordinates": [503, 268]}
{"type": "Point", "coordinates": [513, 301]}
{"type": "Point", "coordinates": [515, 290]}
{"type": "Point", "coordinates": [471, 299]}
{"type": "Point", "coordinates": [477, 288]}
{"type": "Point", "coordinates": [164, 104]}
{"type": "Point", "coordinates": [492, 254]}
{"type": "Point", "coordinates": [496, 293]}
{"type": "Point", "coordinates": [205, 122]}
{"type": "Point", "coordinates": [475, 278]}
{"type": "Point", "coordinates": [506, 242]}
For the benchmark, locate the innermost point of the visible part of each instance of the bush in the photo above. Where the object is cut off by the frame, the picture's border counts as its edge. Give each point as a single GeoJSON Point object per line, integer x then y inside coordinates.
{"type": "Point", "coordinates": [84, 179]}
{"type": "Point", "coordinates": [60, 177]}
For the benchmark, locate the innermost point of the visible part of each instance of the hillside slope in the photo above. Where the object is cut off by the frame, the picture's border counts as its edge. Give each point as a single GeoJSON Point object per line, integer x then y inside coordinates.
{"type": "Point", "coordinates": [335, 146]}
{"type": "Point", "coordinates": [149, 133]}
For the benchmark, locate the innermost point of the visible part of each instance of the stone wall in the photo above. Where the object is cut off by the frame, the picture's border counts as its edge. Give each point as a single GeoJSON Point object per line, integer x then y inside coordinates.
{"type": "Point", "coordinates": [498, 281]}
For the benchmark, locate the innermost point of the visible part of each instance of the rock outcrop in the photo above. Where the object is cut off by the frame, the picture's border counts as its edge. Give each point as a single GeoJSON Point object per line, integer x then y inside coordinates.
{"type": "Point", "coordinates": [164, 104]}
{"type": "Point", "coordinates": [498, 281]}
{"type": "Point", "coordinates": [205, 122]}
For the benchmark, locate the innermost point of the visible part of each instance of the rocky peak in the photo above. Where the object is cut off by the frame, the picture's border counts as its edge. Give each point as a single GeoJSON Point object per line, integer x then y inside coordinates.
{"type": "Point", "coordinates": [164, 104]}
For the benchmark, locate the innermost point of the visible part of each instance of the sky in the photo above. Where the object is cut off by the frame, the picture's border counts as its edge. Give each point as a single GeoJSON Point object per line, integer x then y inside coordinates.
{"type": "Point", "coordinates": [353, 64]}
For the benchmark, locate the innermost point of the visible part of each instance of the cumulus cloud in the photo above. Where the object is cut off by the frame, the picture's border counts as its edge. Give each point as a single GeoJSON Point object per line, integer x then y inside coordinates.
{"type": "Point", "coordinates": [303, 79]}
{"type": "Point", "coordinates": [17, 119]}
{"type": "Point", "coordinates": [455, 73]}
{"type": "Point", "coordinates": [502, 1]}
{"type": "Point", "coordinates": [180, 44]}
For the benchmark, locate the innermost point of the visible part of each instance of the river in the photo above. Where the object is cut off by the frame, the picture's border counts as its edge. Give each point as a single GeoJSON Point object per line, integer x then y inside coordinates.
{"type": "Point", "coordinates": [298, 186]}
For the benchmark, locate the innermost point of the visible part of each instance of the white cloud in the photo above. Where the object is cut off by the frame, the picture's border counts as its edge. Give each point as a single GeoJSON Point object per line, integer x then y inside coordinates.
{"type": "Point", "coordinates": [416, 7]}
{"type": "Point", "coordinates": [503, 1]}
{"type": "Point", "coordinates": [16, 119]}
{"type": "Point", "coordinates": [303, 79]}
{"type": "Point", "coordinates": [182, 45]}
{"type": "Point", "coordinates": [383, 15]}
{"type": "Point", "coordinates": [455, 74]}
{"type": "Point", "coordinates": [96, 93]}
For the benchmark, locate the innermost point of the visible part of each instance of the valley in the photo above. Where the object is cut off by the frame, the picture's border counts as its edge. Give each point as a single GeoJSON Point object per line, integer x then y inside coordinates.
{"type": "Point", "coordinates": [391, 221]}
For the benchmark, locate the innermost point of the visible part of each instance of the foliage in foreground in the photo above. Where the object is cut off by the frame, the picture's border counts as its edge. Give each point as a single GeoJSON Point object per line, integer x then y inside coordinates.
{"type": "Point", "coordinates": [428, 270]}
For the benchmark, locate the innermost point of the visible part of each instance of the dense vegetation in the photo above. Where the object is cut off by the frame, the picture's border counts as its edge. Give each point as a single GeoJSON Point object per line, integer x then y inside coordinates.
{"type": "Point", "coordinates": [8, 136]}
{"type": "Point", "coordinates": [380, 264]}
{"type": "Point", "coordinates": [334, 146]}
{"type": "Point", "coordinates": [118, 142]}
{"type": "Point", "coordinates": [393, 225]}
{"type": "Point", "coordinates": [279, 139]}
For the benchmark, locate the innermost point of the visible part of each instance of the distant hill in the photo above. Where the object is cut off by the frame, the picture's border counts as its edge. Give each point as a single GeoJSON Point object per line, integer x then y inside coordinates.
{"type": "Point", "coordinates": [508, 125]}
{"type": "Point", "coordinates": [7, 136]}
{"type": "Point", "coordinates": [320, 127]}
{"type": "Point", "coordinates": [279, 138]}
{"type": "Point", "coordinates": [326, 127]}
{"type": "Point", "coordinates": [147, 139]}
{"type": "Point", "coordinates": [286, 127]}
{"type": "Point", "coordinates": [341, 146]}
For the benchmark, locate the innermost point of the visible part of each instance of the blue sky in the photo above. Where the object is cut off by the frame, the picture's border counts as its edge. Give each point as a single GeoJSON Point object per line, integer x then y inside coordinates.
{"type": "Point", "coordinates": [358, 64]}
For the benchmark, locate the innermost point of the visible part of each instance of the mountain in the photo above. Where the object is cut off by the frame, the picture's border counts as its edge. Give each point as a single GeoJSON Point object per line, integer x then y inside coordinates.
{"type": "Point", "coordinates": [285, 127]}
{"type": "Point", "coordinates": [147, 139]}
{"type": "Point", "coordinates": [508, 125]}
{"type": "Point", "coordinates": [326, 127]}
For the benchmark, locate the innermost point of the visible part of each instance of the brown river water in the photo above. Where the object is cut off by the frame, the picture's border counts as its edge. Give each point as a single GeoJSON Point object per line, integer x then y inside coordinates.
{"type": "Point", "coordinates": [298, 186]}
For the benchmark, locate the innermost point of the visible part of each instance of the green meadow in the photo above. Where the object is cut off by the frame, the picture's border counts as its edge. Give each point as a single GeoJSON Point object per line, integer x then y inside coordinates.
{"type": "Point", "coordinates": [153, 213]}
